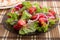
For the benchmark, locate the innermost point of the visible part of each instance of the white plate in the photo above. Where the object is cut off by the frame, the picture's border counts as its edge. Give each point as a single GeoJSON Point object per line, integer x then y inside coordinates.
{"type": "Point", "coordinates": [6, 7]}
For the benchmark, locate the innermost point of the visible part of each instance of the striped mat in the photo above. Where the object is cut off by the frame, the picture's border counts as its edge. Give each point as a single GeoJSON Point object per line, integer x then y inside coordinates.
{"type": "Point", "coordinates": [51, 35]}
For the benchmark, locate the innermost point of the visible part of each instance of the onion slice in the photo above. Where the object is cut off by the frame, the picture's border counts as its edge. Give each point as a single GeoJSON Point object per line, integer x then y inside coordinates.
{"type": "Point", "coordinates": [36, 18]}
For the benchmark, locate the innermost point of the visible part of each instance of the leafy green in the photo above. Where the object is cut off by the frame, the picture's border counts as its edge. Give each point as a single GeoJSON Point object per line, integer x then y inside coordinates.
{"type": "Point", "coordinates": [45, 28]}
{"type": "Point", "coordinates": [45, 10]}
{"type": "Point", "coordinates": [57, 18]}
{"type": "Point", "coordinates": [26, 30]}
{"type": "Point", "coordinates": [33, 26]}
{"type": "Point", "coordinates": [39, 29]}
{"type": "Point", "coordinates": [27, 4]}
{"type": "Point", "coordinates": [9, 20]}
{"type": "Point", "coordinates": [51, 21]}
{"type": "Point", "coordinates": [42, 28]}
{"type": "Point", "coordinates": [14, 17]}
{"type": "Point", "coordinates": [36, 5]}
{"type": "Point", "coordinates": [25, 15]}
{"type": "Point", "coordinates": [12, 23]}
{"type": "Point", "coordinates": [22, 9]}
{"type": "Point", "coordinates": [21, 31]}
{"type": "Point", "coordinates": [38, 9]}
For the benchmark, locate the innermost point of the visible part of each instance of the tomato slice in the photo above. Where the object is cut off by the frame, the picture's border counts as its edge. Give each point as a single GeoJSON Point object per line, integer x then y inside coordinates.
{"type": "Point", "coordinates": [21, 22]}
{"type": "Point", "coordinates": [52, 12]}
{"type": "Point", "coordinates": [32, 10]}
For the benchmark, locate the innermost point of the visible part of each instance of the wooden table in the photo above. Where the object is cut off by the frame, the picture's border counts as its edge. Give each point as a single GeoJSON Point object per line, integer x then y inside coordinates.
{"type": "Point", "coordinates": [53, 34]}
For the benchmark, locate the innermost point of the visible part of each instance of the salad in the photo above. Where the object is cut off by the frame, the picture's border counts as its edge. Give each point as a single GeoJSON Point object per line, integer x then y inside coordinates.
{"type": "Point", "coordinates": [28, 18]}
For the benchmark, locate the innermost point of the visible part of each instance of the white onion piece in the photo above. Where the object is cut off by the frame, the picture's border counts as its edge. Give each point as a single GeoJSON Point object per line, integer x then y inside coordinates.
{"type": "Point", "coordinates": [29, 22]}
{"type": "Point", "coordinates": [17, 12]}
{"type": "Point", "coordinates": [48, 22]}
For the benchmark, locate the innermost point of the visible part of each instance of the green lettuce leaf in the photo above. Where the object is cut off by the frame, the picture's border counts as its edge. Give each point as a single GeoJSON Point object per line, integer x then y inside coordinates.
{"type": "Point", "coordinates": [25, 15]}
{"type": "Point", "coordinates": [51, 21]}
{"type": "Point", "coordinates": [43, 28]}
{"type": "Point", "coordinates": [32, 28]}
{"type": "Point", "coordinates": [27, 4]}
{"type": "Point", "coordinates": [45, 10]}
{"type": "Point", "coordinates": [14, 17]}
{"type": "Point", "coordinates": [22, 9]}
{"type": "Point", "coordinates": [38, 9]}
{"type": "Point", "coordinates": [9, 20]}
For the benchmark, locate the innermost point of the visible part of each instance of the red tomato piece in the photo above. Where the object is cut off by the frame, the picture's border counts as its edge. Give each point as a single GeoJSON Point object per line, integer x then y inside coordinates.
{"type": "Point", "coordinates": [51, 16]}
{"type": "Point", "coordinates": [42, 15]}
{"type": "Point", "coordinates": [17, 8]}
{"type": "Point", "coordinates": [52, 12]}
{"type": "Point", "coordinates": [34, 17]}
{"type": "Point", "coordinates": [9, 16]}
{"type": "Point", "coordinates": [21, 22]}
{"type": "Point", "coordinates": [32, 10]}
{"type": "Point", "coordinates": [20, 6]}
{"type": "Point", "coordinates": [43, 20]}
{"type": "Point", "coordinates": [16, 27]}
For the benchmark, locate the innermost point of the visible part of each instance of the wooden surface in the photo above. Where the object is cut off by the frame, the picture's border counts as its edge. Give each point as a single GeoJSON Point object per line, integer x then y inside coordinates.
{"type": "Point", "coordinates": [51, 35]}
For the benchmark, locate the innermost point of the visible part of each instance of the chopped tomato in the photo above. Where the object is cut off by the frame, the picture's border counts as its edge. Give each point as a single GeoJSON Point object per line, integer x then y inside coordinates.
{"type": "Point", "coordinates": [34, 17]}
{"type": "Point", "coordinates": [9, 16]}
{"type": "Point", "coordinates": [32, 10]}
{"type": "Point", "coordinates": [42, 15]}
{"type": "Point", "coordinates": [21, 22]}
{"type": "Point", "coordinates": [20, 6]}
{"type": "Point", "coordinates": [17, 8]}
{"type": "Point", "coordinates": [51, 16]}
{"type": "Point", "coordinates": [52, 12]}
{"type": "Point", "coordinates": [43, 20]}
{"type": "Point", "coordinates": [16, 27]}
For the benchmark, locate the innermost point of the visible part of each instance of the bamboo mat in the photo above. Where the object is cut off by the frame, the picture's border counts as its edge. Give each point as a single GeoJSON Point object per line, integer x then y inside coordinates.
{"type": "Point", "coordinates": [54, 34]}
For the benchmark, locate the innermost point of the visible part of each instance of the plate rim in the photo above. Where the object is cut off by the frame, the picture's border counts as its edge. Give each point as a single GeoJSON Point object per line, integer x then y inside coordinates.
{"type": "Point", "coordinates": [11, 6]}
